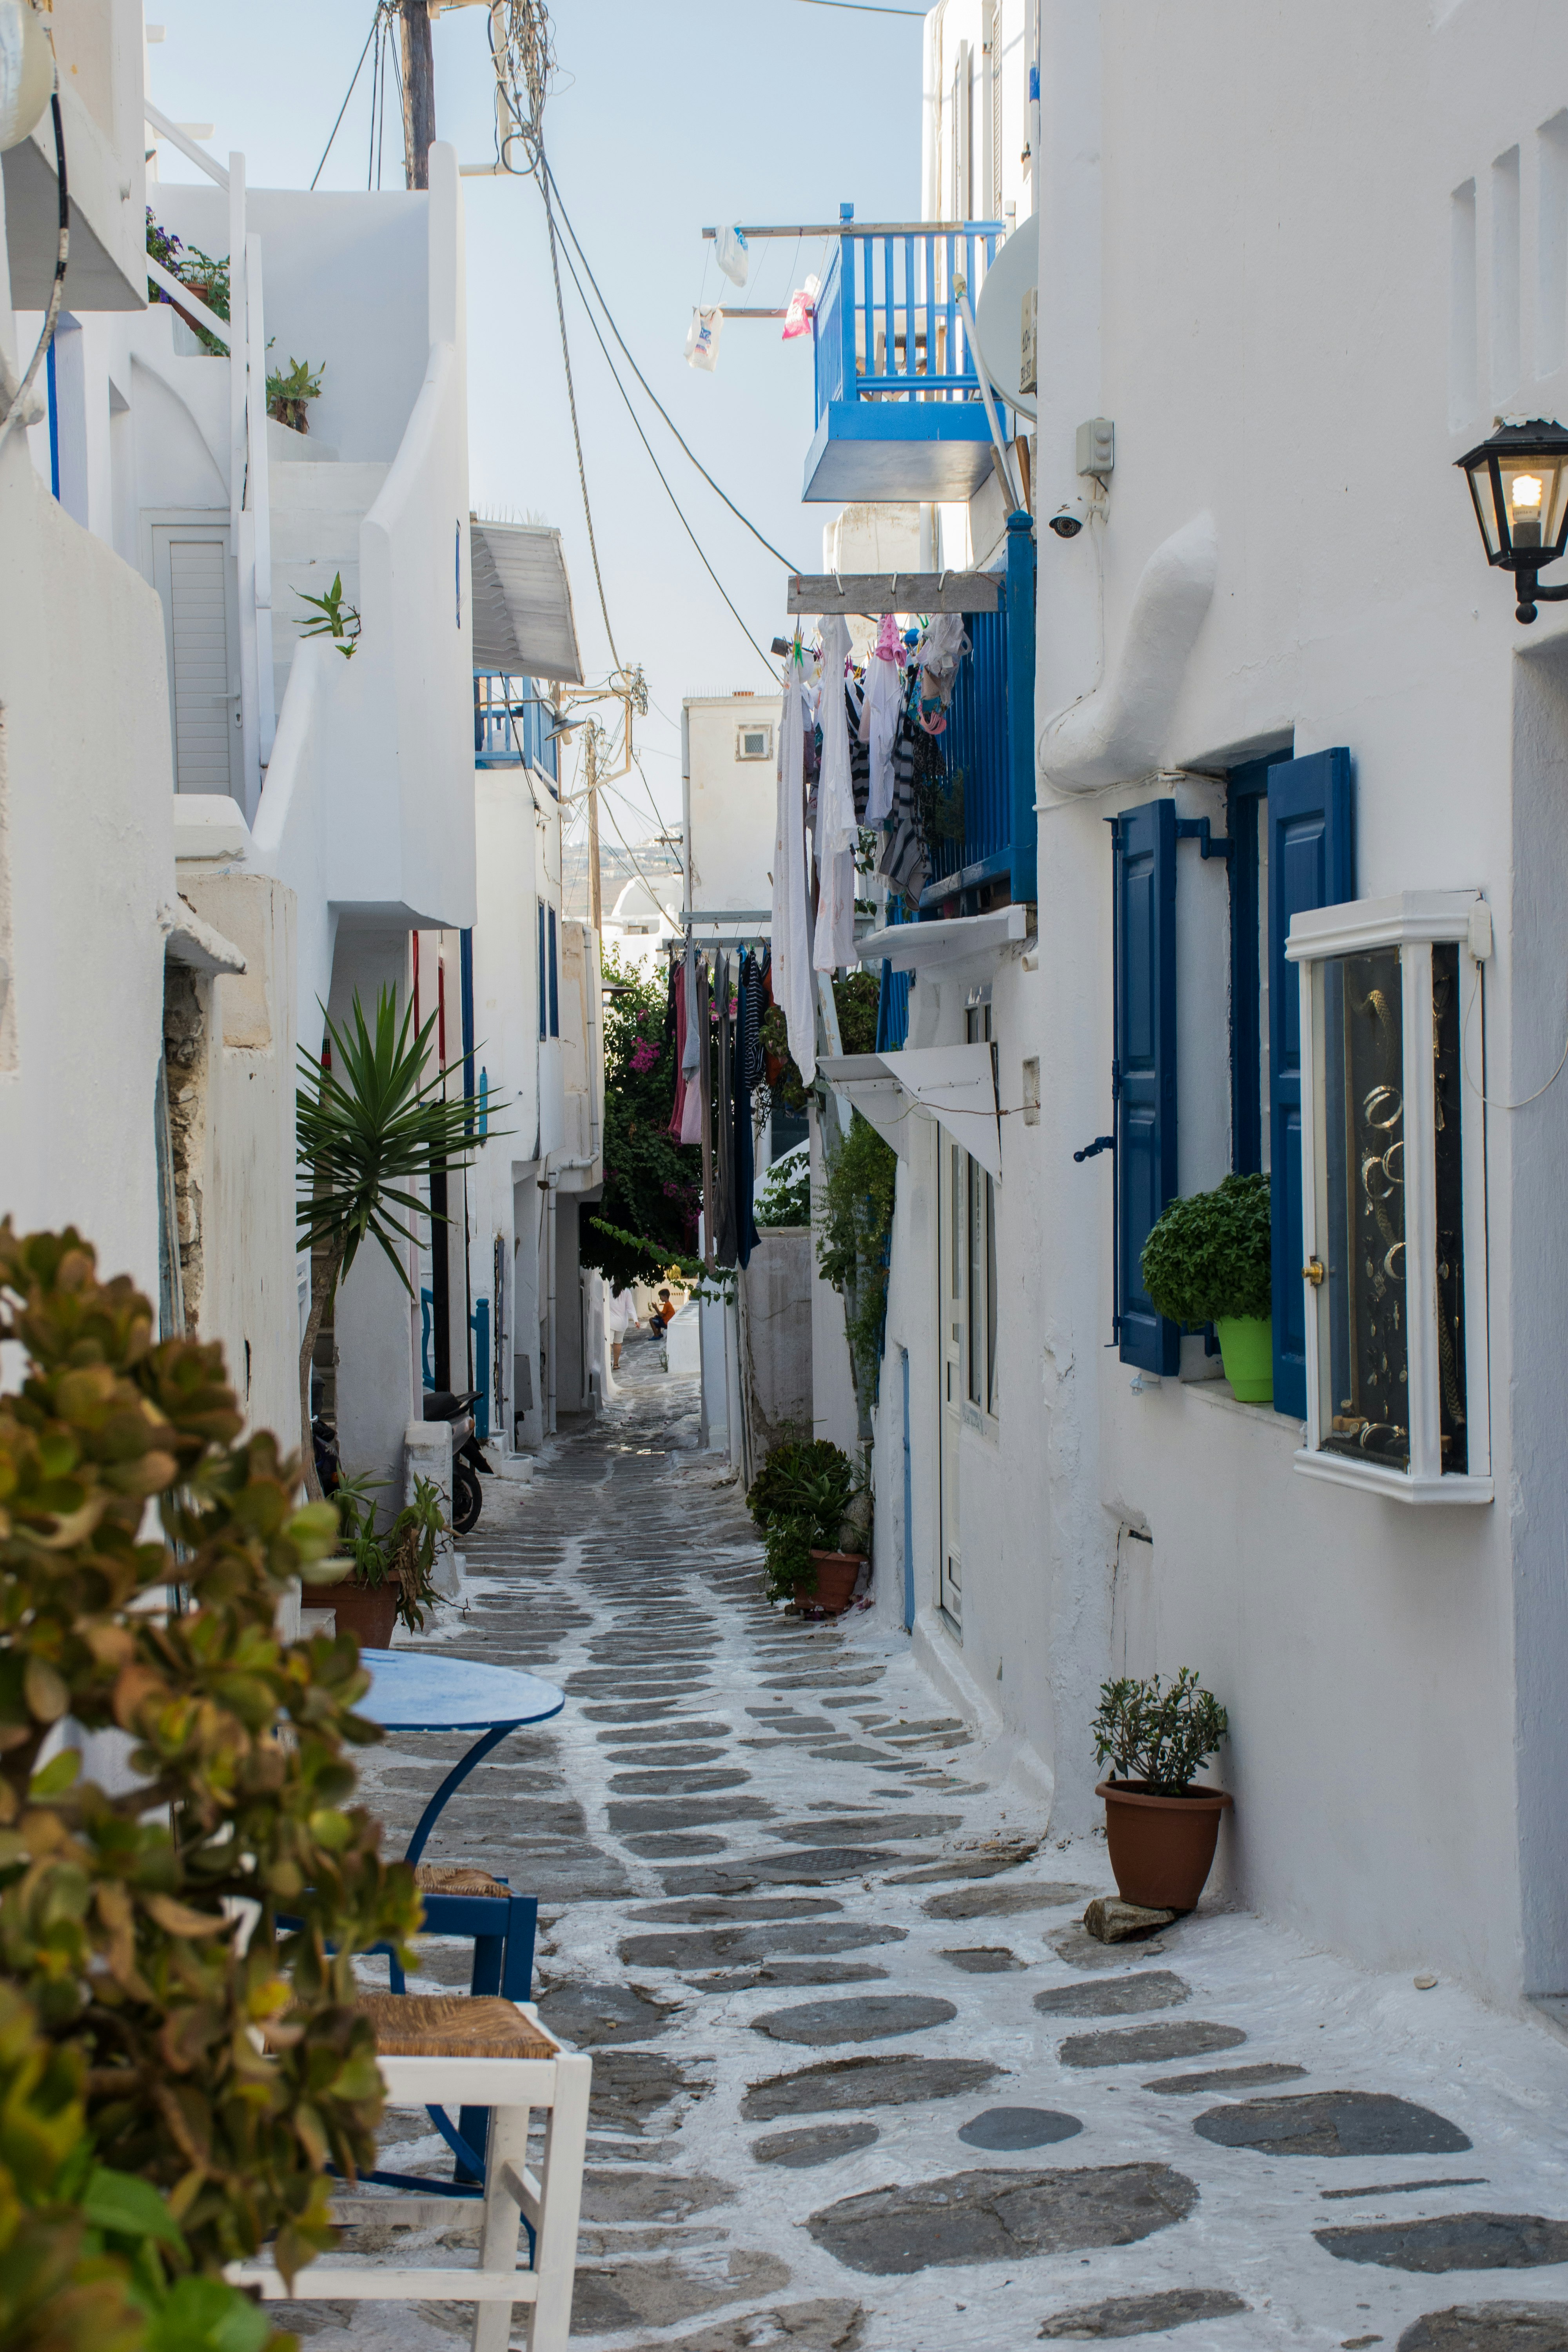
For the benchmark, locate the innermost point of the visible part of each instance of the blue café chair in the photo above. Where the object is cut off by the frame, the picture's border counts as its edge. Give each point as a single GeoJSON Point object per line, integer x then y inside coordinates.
{"type": "Point", "coordinates": [462, 1900]}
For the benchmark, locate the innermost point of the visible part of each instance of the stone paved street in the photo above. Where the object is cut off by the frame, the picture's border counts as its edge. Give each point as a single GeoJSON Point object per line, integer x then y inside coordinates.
{"type": "Point", "coordinates": [860, 2078]}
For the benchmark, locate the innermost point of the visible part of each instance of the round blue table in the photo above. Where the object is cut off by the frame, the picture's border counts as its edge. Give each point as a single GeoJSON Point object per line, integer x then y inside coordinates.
{"type": "Point", "coordinates": [420, 1690]}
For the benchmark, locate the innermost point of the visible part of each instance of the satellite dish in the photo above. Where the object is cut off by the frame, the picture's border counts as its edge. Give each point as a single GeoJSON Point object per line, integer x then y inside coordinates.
{"type": "Point", "coordinates": [999, 313]}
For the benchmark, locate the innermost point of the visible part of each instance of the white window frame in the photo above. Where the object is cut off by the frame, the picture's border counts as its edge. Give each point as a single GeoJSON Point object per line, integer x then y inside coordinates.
{"type": "Point", "coordinates": [755, 727]}
{"type": "Point", "coordinates": [1413, 923]}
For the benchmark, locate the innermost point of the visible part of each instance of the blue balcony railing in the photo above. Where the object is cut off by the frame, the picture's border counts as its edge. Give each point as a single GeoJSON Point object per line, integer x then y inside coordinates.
{"type": "Point", "coordinates": [512, 721]}
{"type": "Point", "coordinates": [989, 742]}
{"type": "Point", "coordinates": [899, 413]}
{"type": "Point", "coordinates": [893, 993]}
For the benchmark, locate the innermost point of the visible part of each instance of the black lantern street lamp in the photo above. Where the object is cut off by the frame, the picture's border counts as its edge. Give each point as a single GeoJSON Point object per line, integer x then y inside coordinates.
{"type": "Point", "coordinates": [1519, 480]}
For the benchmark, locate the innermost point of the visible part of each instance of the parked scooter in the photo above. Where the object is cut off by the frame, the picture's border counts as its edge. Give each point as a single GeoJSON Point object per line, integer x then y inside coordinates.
{"type": "Point", "coordinates": [468, 1458]}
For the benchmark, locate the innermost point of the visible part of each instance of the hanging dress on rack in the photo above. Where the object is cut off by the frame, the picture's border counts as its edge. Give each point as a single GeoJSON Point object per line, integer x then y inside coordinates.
{"type": "Point", "coordinates": [794, 982]}
{"type": "Point", "coordinates": [836, 830]}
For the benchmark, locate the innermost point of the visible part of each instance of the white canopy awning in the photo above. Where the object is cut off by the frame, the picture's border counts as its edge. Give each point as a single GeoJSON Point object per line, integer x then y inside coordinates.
{"type": "Point", "coordinates": [957, 1084]}
{"type": "Point", "coordinates": [911, 947]}
{"type": "Point", "coordinates": [523, 621]}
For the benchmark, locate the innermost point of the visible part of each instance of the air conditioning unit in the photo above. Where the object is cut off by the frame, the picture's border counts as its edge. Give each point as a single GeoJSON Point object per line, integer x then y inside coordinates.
{"type": "Point", "coordinates": [753, 742]}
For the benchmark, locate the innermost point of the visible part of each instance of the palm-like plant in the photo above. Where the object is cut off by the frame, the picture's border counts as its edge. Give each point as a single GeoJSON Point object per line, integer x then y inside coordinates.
{"type": "Point", "coordinates": [369, 1121]}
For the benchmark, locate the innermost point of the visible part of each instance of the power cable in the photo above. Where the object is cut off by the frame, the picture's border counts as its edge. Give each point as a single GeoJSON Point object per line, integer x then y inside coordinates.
{"type": "Point", "coordinates": [658, 470]}
{"type": "Point", "coordinates": [545, 177]}
{"type": "Point", "coordinates": [648, 387]}
{"type": "Point", "coordinates": [347, 95]}
{"type": "Point", "coordinates": [864, 8]}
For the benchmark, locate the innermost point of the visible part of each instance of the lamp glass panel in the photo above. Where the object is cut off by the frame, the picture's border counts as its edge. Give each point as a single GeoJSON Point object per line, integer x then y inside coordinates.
{"type": "Point", "coordinates": [1479, 477]}
{"type": "Point", "coordinates": [1362, 1308]}
{"type": "Point", "coordinates": [1528, 488]}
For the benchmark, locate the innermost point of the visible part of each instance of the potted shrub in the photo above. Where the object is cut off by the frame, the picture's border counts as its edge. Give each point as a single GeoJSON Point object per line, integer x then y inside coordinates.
{"type": "Point", "coordinates": [1161, 1827]}
{"type": "Point", "coordinates": [290, 393]}
{"type": "Point", "coordinates": [390, 1575]}
{"type": "Point", "coordinates": [805, 1500]}
{"type": "Point", "coordinates": [1206, 1261]}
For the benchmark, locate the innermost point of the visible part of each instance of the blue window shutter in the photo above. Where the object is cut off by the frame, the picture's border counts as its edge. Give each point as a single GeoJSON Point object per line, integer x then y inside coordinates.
{"type": "Point", "coordinates": [1311, 863]}
{"type": "Point", "coordinates": [1144, 1075]}
{"type": "Point", "coordinates": [555, 980]}
{"type": "Point", "coordinates": [543, 980]}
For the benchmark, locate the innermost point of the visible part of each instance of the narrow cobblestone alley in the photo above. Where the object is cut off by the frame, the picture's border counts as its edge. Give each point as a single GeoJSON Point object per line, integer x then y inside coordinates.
{"type": "Point", "coordinates": [861, 2080]}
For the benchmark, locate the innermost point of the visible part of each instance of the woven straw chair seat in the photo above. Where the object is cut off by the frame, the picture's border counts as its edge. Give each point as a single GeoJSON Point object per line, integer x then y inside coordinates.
{"type": "Point", "coordinates": [457, 1878]}
{"type": "Point", "coordinates": [453, 2025]}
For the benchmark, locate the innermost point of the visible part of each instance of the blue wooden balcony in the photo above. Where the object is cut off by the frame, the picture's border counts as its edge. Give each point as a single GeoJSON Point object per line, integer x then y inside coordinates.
{"type": "Point", "coordinates": [512, 723]}
{"type": "Point", "coordinates": [989, 743]}
{"type": "Point", "coordinates": [898, 409]}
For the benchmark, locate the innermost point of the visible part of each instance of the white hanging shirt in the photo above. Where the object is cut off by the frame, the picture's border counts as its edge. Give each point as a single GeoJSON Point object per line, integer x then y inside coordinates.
{"type": "Point", "coordinates": [879, 720]}
{"type": "Point", "coordinates": [838, 828]}
{"type": "Point", "coordinates": [793, 990]}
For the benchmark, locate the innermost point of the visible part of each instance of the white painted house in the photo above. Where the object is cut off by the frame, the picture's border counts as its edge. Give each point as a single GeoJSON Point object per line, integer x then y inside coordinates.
{"type": "Point", "coordinates": [1294, 796]}
{"type": "Point", "coordinates": [217, 829]}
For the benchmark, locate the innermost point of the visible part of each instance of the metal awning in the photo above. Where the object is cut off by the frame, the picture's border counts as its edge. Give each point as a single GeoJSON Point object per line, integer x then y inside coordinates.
{"type": "Point", "coordinates": [957, 1084]}
{"type": "Point", "coordinates": [523, 621]}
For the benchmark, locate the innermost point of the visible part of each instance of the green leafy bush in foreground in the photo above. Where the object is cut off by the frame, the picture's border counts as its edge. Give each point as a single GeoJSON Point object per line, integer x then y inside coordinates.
{"type": "Point", "coordinates": [162, 2044]}
{"type": "Point", "coordinates": [1207, 1258]}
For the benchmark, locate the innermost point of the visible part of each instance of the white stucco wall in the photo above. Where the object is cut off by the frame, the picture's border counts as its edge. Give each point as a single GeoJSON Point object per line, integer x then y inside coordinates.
{"type": "Point", "coordinates": [251, 1299]}
{"type": "Point", "coordinates": [86, 863]}
{"type": "Point", "coordinates": [729, 810]}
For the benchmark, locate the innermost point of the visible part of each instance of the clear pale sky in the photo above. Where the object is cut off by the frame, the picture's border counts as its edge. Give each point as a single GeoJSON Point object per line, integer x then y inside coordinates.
{"type": "Point", "coordinates": [661, 120]}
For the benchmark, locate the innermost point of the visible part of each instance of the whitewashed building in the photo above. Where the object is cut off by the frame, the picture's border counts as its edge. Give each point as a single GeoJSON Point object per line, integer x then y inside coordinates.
{"type": "Point", "coordinates": [536, 1034]}
{"type": "Point", "coordinates": [217, 829]}
{"type": "Point", "coordinates": [1284, 732]}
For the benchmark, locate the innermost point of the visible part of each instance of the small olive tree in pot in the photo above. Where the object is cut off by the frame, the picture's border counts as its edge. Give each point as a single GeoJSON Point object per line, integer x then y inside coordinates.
{"type": "Point", "coordinates": [1207, 1261]}
{"type": "Point", "coordinates": [1160, 1825]}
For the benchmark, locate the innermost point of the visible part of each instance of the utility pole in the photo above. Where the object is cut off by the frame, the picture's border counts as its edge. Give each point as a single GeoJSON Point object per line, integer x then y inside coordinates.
{"type": "Point", "coordinates": [419, 92]}
{"type": "Point", "coordinates": [595, 903]}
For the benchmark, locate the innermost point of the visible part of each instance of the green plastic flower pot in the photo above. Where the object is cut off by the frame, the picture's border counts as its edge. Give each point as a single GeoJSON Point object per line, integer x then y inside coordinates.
{"type": "Point", "coordinates": [1246, 1350]}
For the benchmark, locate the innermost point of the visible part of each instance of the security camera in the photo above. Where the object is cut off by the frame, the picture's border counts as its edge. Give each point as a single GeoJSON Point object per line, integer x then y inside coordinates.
{"type": "Point", "coordinates": [1070, 519]}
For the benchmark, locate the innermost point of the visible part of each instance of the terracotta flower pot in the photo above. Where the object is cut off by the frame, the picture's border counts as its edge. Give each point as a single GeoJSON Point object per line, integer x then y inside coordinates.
{"type": "Point", "coordinates": [837, 1575]}
{"type": "Point", "coordinates": [368, 1611]}
{"type": "Point", "coordinates": [1162, 1847]}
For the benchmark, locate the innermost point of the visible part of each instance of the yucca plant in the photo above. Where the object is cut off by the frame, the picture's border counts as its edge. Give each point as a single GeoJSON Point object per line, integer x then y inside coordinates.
{"type": "Point", "coordinates": [369, 1123]}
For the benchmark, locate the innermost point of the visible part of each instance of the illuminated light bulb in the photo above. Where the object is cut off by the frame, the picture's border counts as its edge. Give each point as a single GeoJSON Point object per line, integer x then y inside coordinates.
{"type": "Point", "coordinates": [1526, 493]}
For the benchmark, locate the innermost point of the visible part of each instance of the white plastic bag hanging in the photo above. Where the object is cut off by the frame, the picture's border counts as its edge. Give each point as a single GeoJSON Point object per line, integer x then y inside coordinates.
{"type": "Point", "coordinates": [702, 339]}
{"type": "Point", "coordinates": [802, 306]}
{"type": "Point", "coordinates": [731, 252]}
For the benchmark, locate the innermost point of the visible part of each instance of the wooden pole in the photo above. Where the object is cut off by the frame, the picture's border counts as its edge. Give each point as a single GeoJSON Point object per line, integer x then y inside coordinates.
{"type": "Point", "coordinates": [596, 900]}
{"type": "Point", "coordinates": [419, 92]}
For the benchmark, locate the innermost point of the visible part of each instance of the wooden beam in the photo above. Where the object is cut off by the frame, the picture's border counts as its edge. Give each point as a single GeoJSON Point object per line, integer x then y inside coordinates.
{"type": "Point", "coordinates": [418, 93]}
{"type": "Point", "coordinates": [871, 594]}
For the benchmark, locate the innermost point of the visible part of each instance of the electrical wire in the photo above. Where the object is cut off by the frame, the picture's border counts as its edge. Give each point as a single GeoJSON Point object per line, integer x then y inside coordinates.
{"type": "Point", "coordinates": [864, 8]}
{"type": "Point", "coordinates": [62, 254]}
{"type": "Point", "coordinates": [658, 470]}
{"type": "Point", "coordinates": [648, 387]}
{"type": "Point", "coordinates": [347, 95]}
{"type": "Point", "coordinates": [545, 176]}
{"type": "Point", "coordinates": [1491, 1101]}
